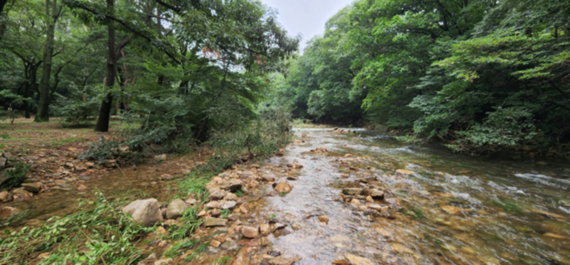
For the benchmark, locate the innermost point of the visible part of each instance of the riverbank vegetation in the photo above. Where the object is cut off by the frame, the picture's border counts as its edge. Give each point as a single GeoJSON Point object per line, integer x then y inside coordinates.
{"type": "Point", "coordinates": [479, 75]}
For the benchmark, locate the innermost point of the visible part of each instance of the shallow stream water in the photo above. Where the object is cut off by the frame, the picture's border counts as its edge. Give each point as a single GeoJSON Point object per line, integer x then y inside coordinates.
{"type": "Point", "coordinates": [452, 208]}
{"type": "Point", "coordinates": [455, 209]}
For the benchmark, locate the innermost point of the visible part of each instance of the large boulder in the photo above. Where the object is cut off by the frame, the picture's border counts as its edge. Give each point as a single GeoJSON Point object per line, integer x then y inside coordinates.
{"type": "Point", "coordinates": [147, 212]}
{"type": "Point", "coordinates": [176, 209]}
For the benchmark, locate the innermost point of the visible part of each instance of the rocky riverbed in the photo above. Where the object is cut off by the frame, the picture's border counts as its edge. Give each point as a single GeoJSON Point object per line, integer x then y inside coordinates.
{"type": "Point", "coordinates": [357, 197]}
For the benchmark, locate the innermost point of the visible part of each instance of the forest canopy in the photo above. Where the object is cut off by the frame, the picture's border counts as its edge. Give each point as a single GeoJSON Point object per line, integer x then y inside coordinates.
{"type": "Point", "coordinates": [477, 74]}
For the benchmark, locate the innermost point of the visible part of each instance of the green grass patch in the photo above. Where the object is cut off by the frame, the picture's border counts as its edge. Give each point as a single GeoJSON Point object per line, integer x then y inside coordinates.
{"type": "Point", "coordinates": [66, 141]}
{"type": "Point", "coordinates": [508, 206]}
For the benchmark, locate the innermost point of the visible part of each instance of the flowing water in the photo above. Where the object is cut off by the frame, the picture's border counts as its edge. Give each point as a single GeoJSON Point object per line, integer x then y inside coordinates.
{"type": "Point", "coordinates": [445, 208]}
{"type": "Point", "coordinates": [455, 209]}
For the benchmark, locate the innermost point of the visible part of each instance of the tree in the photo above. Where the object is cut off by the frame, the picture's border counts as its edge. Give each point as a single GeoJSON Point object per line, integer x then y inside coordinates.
{"type": "Point", "coordinates": [44, 89]}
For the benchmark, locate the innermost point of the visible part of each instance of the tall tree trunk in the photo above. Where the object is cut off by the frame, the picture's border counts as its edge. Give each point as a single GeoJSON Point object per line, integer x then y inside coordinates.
{"type": "Point", "coordinates": [43, 105]}
{"type": "Point", "coordinates": [105, 110]}
{"type": "Point", "coordinates": [2, 17]}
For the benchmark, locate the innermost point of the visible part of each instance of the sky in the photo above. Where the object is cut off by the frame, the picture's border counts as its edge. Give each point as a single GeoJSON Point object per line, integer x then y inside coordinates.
{"type": "Point", "coordinates": [307, 17]}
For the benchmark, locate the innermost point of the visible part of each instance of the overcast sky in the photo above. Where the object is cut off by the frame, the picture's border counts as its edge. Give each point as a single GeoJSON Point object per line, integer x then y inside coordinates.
{"type": "Point", "coordinates": [307, 17]}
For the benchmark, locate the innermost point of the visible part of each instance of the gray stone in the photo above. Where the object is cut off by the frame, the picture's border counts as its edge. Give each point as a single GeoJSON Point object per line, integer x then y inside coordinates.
{"type": "Point", "coordinates": [284, 261]}
{"type": "Point", "coordinates": [229, 245]}
{"type": "Point", "coordinates": [3, 162]}
{"type": "Point", "coordinates": [352, 191]}
{"type": "Point", "coordinates": [229, 205]}
{"type": "Point", "coordinates": [150, 260]}
{"type": "Point", "coordinates": [176, 209]}
{"type": "Point", "coordinates": [147, 212]}
{"type": "Point", "coordinates": [232, 185]}
{"type": "Point", "coordinates": [216, 195]}
{"type": "Point", "coordinates": [211, 222]}
{"type": "Point", "coordinates": [191, 201]}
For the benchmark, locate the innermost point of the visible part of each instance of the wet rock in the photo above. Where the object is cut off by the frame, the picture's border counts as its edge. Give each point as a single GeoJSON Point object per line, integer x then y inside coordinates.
{"type": "Point", "coordinates": [283, 187]}
{"type": "Point", "coordinates": [5, 196]}
{"type": "Point", "coordinates": [355, 203]}
{"type": "Point", "coordinates": [352, 191]}
{"type": "Point", "coordinates": [7, 211]}
{"type": "Point", "coordinates": [81, 188]}
{"type": "Point", "coordinates": [272, 194]}
{"type": "Point", "coordinates": [229, 205]}
{"type": "Point", "coordinates": [369, 199]}
{"type": "Point", "coordinates": [21, 195]}
{"type": "Point", "coordinates": [273, 253]}
{"type": "Point", "coordinates": [150, 260]}
{"type": "Point", "coordinates": [393, 203]}
{"type": "Point", "coordinates": [229, 245]}
{"type": "Point", "coordinates": [345, 176]}
{"type": "Point", "coordinates": [292, 178]}
{"type": "Point", "coordinates": [242, 258]}
{"type": "Point", "coordinates": [164, 262]}
{"type": "Point", "coordinates": [268, 177]}
{"type": "Point", "coordinates": [109, 163]}
{"type": "Point", "coordinates": [355, 260]}
{"type": "Point", "coordinates": [264, 229]}
{"type": "Point", "coordinates": [246, 175]}
{"type": "Point", "coordinates": [32, 187]}
{"type": "Point", "coordinates": [250, 232]}
{"type": "Point", "coordinates": [211, 222]}
{"type": "Point", "coordinates": [160, 157]}
{"type": "Point", "coordinates": [296, 226]}
{"type": "Point", "coordinates": [176, 209]}
{"type": "Point", "coordinates": [405, 172]}
{"type": "Point", "coordinates": [166, 177]}
{"type": "Point", "coordinates": [216, 195]}
{"type": "Point", "coordinates": [147, 212]}
{"type": "Point", "coordinates": [376, 194]}
{"type": "Point", "coordinates": [215, 243]}
{"type": "Point", "coordinates": [284, 261]}
{"type": "Point", "coordinates": [231, 197]}
{"type": "Point", "coordinates": [215, 213]}
{"type": "Point", "coordinates": [232, 185]}
{"type": "Point", "coordinates": [552, 216]}
{"type": "Point", "coordinates": [324, 219]}
{"type": "Point", "coordinates": [348, 155]}
{"type": "Point", "coordinates": [264, 241]}
{"type": "Point", "coordinates": [340, 262]}
{"type": "Point", "coordinates": [552, 235]}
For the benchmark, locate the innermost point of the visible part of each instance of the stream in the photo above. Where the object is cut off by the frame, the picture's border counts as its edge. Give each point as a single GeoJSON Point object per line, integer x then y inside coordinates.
{"type": "Point", "coordinates": [441, 207]}
{"type": "Point", "coordinates": [455, 209]}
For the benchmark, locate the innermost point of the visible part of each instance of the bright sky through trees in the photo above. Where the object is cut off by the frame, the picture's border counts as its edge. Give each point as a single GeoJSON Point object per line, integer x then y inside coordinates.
{"type": "Point", "coordinates": [307, 17]}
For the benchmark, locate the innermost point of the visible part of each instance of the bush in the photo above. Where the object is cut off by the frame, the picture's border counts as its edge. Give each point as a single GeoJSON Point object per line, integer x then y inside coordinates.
{"type": "Point", "coordinates": [76, 113]}
{"type": "Point", "coordinates": [15, 177]}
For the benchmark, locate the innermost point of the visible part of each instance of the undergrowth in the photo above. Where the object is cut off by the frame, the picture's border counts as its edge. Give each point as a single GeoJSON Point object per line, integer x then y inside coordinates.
{"type": "Point", "coordinates": [15, 177]}
{"type": "Point", "coordinates": [100, 235]}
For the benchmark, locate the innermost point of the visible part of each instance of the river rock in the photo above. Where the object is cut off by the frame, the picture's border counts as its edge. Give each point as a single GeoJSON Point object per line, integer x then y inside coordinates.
{"type": "Point", "coordinates": [229, 205]}
{"type": "Point", "coordinates": [211, 222]}
{"type": "Point", "coordinates": [232, 185]}
{"type": "Point", "coordinates": [355, 260]}
{"type": "Point", "coordinates": [324, 219]}
{"type": "Point", "coordinates": [268, 177]}
{"type": "Point", "coordinates": [246, 175]}
{"type": "Point", "coordinates": [213, 205]}
{"type": "Point", "coordinates": [164, 262]}
{"type": "Point", "coordinates": [264, 229]}
{"type": "Point", "coordinates": [190, 201]}
{"type": "Point", "coordinates": [3, 162]}
{"type": "Point", "coordinates": [352, 191]}
{"type": "Point", "coordinates": [216, 195]}
{"type": "Point", "coordinates": [32, 187]}
{"type": "Point", "coordinates": [283, 187]}
{"type": "Point", "coordinates": [147, 212]}
{"type": "Point", "coordinates": [150, 260]}
{"type": "Point", "coordinates": [284, 261]}
{"type": "Point", "coordinates": [250, 232]}
{"type": "Point", "coordinates": [376, 194]}
{"type": "Point", "coordinates": [231, 197]}
{"type": "Point", "coordinates": [405, 172]}
{"type": "Point", "coordinates": [20, 194]}
{"type": "Point", "coordinates": [5, 196]}
{"type": "Point", "coordinates": [176, 209]}
{"type": "Point", "coordinates": [166, 177]}
{"type": "Point", "coordinates": [81, 188]}
{"type": "Point", "coordinates": [340, 262]}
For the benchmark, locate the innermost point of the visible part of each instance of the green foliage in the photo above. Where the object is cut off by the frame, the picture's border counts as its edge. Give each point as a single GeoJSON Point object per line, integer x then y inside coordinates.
{"type": "Point", "coordinates": [108, 234]}
{"type": "Point", "coordinates": [15, 177]}
{"type": "Point", "coordinates": [189, 223]}
{"type": "Point", "coordinates": [508, 206]}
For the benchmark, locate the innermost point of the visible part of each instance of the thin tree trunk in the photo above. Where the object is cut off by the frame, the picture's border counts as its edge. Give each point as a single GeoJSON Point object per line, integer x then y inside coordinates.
{"type": "Point", "coordinates": [2, 16]}
{"type": "Point", "coordinates": [43, 105]}
{"type": "Point", "coordinates": [105, 110]}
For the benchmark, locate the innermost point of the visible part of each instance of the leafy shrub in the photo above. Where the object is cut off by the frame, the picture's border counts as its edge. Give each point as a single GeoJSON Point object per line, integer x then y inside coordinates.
{"type": "Point", "coordinates": [107, 232]}
{"type": "Point", "coordinates": [15, 177]}
{"type": "Point", "coordinates": [76, 112]}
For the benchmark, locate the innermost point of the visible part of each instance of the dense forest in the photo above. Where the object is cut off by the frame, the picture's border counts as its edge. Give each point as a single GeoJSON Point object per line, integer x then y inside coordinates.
{"type": "Point", "coordinates": [178, 69]}
{"type": "Point", "coordinates": [480, 75]}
